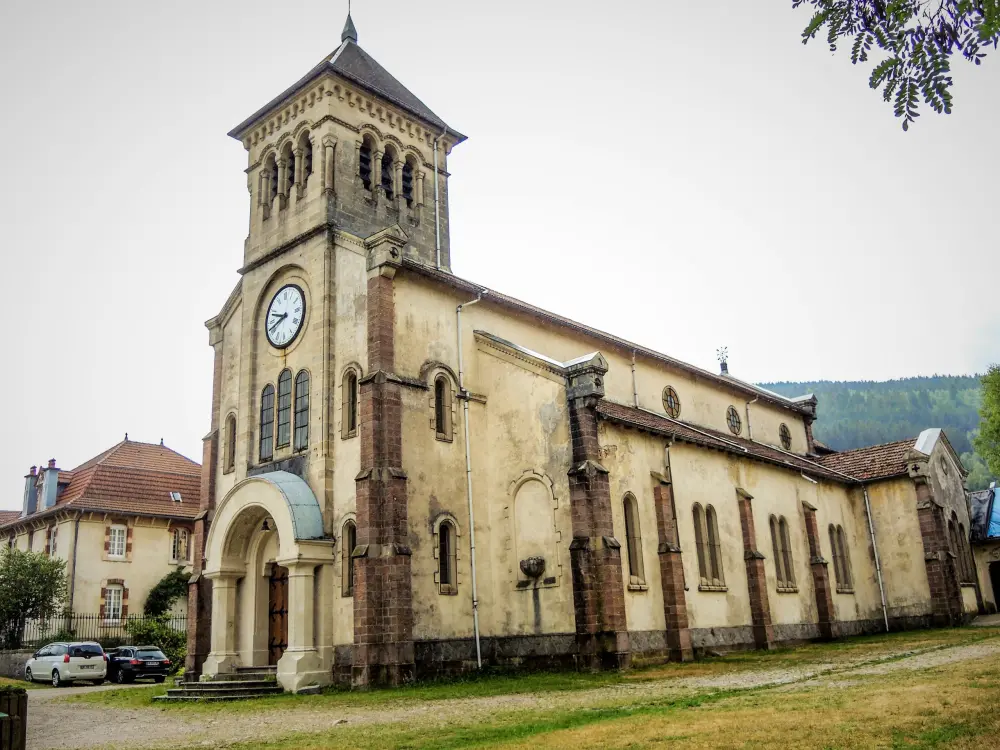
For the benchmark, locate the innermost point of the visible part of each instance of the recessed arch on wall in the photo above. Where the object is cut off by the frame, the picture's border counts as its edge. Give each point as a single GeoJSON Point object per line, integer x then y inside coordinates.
{"type": "Point", "coordinates": [446, 533]}
{"type": "Point", "coordinates": [533, 529]}
{"type": "Point", "coordinates": [350, 393]}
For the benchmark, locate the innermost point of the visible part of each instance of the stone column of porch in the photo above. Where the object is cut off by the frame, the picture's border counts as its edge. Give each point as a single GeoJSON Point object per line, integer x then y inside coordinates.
{"type": "Point", "coordinates": [595, 553]}
{"type": "Point", "coordinates": [223, 657]}
{"type": "Point", "coordinates": [300, 667]}
{"type": "Point", "coordinates": [820, 575]}
{"type": "Point", "coordinates": [760, 607]}
{"type": "Point", "coordinates": [675, 614]}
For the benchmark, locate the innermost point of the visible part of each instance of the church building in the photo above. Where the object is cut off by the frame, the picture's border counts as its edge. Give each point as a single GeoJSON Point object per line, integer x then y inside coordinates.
{"type": "Point", "coordinates": [409, 474]}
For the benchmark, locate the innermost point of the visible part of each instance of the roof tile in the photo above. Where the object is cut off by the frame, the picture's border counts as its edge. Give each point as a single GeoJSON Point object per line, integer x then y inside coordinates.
{"type": "Point", "coordinates": [874, 462]}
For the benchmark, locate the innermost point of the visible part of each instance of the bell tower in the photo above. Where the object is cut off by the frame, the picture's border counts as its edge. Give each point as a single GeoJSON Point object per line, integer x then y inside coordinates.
{"type": "Point", "coordinates": [347, 146]}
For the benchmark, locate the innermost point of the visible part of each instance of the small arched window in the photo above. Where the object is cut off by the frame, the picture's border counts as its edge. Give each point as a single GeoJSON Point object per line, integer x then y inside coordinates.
{"type": "Point", "coordinates": [365, 162]}
{"type": "Point", "coordinates": [835, 553]}
{"type": "Point", "coordinates": [408, 181]}
{"type": "Point", "coordinates": [633, 542]}
{"type": "Point", "coordinates": [447, 559]}
{"type": "Point", "coordinates": [270, 185]}
{"type": "Point", "coordinates": [348, 541]}
{"type": "Point", "coordinates": [267, 423]}
{"type": "Point", "coordinates": [349, 418]}
{"type": "Point", "coordinates": [965, 570]}
{"type": "Point", "coordinates": [301, 411]}
{"type": "Point", "coordinates": [842, 559]}
{"type": "Point", "coordinates": [305, 145]}
{"type": "Point", "coordinates": [706, 534]}
{"type": "Point", "coordinates": [442, 409]}
{"type": "Point", "coordinates": [388, 173]}
{"type": "Point", "coordinates": [284, 408]}
{"type": "Point", "coordinates": [230, 461]}
{"type": "Point", "coordinates": [288, 156]}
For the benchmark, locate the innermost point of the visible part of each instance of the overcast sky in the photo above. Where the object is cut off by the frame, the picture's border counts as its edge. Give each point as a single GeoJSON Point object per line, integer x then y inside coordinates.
{"type": "Point", "coordinates": [684, 174]}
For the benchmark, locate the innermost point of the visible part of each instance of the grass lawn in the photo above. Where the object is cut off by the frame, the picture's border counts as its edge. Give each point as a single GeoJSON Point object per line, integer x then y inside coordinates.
{"type": "Point", "coordinates": [952, 705]}
{"type": "Point", "coordinates": [25, 685]}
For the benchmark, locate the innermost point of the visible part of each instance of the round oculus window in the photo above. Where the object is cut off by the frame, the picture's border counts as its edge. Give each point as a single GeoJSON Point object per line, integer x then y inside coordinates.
{"type": "Point", "coordinates": [734, 421]}
{"type": "Point", "coordinates": [786, 436]}
{"type": "Point", "coordinates": [671, 403]}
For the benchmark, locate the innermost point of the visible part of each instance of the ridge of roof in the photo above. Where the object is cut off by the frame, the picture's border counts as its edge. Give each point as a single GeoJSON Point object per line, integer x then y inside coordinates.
{"type": "Point", "coordinates": [139, 458]}
{"type": "Point", "coordinates": [491, 295]}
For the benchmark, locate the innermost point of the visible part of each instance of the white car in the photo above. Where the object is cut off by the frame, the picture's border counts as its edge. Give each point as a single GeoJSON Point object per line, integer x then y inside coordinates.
{"type": "Point", "coordinates": [62, 663]}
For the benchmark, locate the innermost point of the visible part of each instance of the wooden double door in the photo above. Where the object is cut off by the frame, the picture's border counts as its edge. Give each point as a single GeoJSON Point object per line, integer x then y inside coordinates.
{"type": "Point", "coordinates": [277, 620]}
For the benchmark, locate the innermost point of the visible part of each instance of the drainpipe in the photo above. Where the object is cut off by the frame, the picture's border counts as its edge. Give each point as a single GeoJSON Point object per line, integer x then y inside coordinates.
{"type": "Point", "coordinates": [635, 391]}
{"type": "Point", "coordinates": [437, 215]}
{"type": "Point", "coordinates": [464, 395]}
{"type": "Point", "coordinates": [878, 565]}
{"type": "Point", "coordinates": [72, 568]}
{"type": "Point", "coordinates": [749, 426]}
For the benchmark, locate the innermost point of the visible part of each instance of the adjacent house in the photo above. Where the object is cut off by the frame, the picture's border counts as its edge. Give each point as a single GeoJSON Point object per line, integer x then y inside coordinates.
{"type": "Point", "coordinates": [984, 509]}
{"type": "Point", "coordinates": [121, 521]}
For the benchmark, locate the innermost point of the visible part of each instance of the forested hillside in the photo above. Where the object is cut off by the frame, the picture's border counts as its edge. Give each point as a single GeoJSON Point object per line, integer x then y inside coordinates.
{"type": "Point", "coordinates": [856, 414]}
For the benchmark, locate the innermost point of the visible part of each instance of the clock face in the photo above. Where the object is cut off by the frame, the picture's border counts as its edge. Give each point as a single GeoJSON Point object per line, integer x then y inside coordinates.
{"type": "Point", "coordinates": [285, 315]}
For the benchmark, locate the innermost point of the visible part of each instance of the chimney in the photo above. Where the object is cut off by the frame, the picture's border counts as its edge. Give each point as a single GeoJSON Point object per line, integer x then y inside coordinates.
{"type": "Point", "coordinates": [30, 493]}
{"type": "Point", "coordinates": [50, 485]}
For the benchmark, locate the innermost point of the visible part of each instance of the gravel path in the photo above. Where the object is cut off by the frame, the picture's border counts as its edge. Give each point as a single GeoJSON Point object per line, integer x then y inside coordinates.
{"type": "Point", "coordinates": [58, 724]}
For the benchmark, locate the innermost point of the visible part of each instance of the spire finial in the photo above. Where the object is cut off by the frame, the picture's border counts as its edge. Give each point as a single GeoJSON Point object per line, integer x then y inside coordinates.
{"type": "Point", "coordinates": [349, 31]}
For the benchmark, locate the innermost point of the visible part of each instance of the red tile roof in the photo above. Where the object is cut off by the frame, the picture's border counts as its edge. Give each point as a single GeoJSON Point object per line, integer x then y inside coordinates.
{"type": "Point", "coordinates": [678, 430]}
{"type": "Point", "coordinates": [874, 462]}
{"type": "Point", "coordinates": [6, 516]}
{"type": "Point", "coordinates": [131, 478]}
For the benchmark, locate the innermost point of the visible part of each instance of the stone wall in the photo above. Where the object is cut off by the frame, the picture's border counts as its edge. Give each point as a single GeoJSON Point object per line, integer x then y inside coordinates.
{"type": "Point", "coordinates": [12, 663]}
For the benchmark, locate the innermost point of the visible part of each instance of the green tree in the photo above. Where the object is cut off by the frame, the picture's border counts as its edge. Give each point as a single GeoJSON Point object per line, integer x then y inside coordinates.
{"type": "Point", "coordinates": [32, 587]}
{"type": "Point", "coordinates": [987, 442]}
{"type": "Point", "coordinates": [156, 631]}
{"type": "Point", "coordinates": [915, 40]}
{"type": "Point", "coordinates": [162, 596]}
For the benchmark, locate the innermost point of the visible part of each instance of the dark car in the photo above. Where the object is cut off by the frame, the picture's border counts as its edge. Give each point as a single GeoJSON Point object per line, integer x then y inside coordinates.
{"type": "Point", "coordinates": [129, 663]}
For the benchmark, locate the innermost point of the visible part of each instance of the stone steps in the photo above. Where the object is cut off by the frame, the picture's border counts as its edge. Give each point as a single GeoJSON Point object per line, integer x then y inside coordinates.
{"type": "Point", "coordinates": [243, 684]}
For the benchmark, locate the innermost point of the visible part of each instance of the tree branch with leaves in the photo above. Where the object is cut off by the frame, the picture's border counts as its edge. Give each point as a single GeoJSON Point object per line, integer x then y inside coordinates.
{"type": "Point", "coordinates": [987, 442]}
{"type": "Point", "coordinates": [917, 39]}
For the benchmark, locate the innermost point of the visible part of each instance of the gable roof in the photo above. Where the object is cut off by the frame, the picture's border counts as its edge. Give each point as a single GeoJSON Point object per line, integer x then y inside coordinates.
{"type": "Point", "coordinates": [6, 516]}
{"type": "Point", "coordinates": [874, 462]}
{"type": "Point", "coordinates": [350, 61]}
{"type": "Point", "coordinates": [129, 478]}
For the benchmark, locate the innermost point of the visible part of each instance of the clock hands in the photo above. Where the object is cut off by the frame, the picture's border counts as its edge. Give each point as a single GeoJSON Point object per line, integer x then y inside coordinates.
{"type": "Point", "coordinates": [277, 322]}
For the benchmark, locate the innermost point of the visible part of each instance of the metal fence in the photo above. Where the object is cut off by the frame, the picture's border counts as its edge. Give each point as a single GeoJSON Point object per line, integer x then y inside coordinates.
{"type": "Point", "coordinates": [77, 627]}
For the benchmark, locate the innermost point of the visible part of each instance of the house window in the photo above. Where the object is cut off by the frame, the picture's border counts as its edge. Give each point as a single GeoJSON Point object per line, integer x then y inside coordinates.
{"type": "Point", "coordinates": [267, 423]}
{"type": "Point", "coordinates": [707, 543]}
{"type": "Point", "coordinates": [781, 544]}
{"type": "Point", "coordinates": [53, 538]}
{"type": "Point", "coordinates": [841, 560]}
{"type": "Point", "coordinates": [270, 180]}
{"type": "Point", "coordinates": [734, 421]}
{"type": "Point", "coordinates": [786, 436]}
{"type": "Point", "coordinates": [230, 463]}
{"type": "Point", "coordinates": [307, 156]}
{"type": "Point", "coordinates": [442, 408]}
{"type": "Point", "coordinates": [447, 559]}
{"type": "Point", "coordinates": [113, 603]}
{"type": "Point", "coordinates": [966, 568]}
{"type": "Point", "coordinates": [348, 541]}
{"type": "Point", "coordinates": [116, 541]}
{"type": "Point", "coordinates": [633, 543]}
{"type": "Point", "coordinates": [288, 155]}
{"type": "Point", "coordinates": [671, 403]}
{"type": "Point", "coordinates": [302, 411]}
{"type": "Point", "coordinates": [349, 419]}
{"type": "Point", "coordinates": [180, 545]}
{"type": "Point", "coordinates": [284, 408]}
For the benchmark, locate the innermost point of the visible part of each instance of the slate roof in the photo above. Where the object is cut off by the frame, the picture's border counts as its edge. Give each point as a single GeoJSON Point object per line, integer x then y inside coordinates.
{"type": "Point", "coordinates": [874, 462]}
{"type": "Point", "coordinates": [984, 514]}
{"type": "Point", "coordinates": [350, 61]}
{"type": "Point", "coordinates": [678, 430]}
{"type": "Point", "coordinates": [130, 478]}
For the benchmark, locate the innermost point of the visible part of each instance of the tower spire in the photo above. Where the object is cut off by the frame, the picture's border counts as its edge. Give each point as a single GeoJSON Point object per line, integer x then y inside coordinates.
{"type": "Point", "coordinates": [349, 31]}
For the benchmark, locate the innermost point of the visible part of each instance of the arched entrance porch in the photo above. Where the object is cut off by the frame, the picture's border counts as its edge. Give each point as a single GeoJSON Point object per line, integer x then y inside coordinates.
{"type": "Point", "coordinates": [270, 565]}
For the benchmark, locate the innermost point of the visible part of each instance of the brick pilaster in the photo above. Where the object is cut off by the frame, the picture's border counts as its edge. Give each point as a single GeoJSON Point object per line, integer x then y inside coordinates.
{"type": "Point", "coordinates": [595, 553]}
{"type": "Point", "coordinates": [821, 576]}
{"type": "Point", "coordinates": [760, 608]}
{"type": "Point", "coordinates": [940, 562]}
{"type": "Point", "coordinates": [671, 572]}
{"type": "Point", "coordinates": [383, 607]}
{"type": "Point", "coordinates": [199, 620]}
